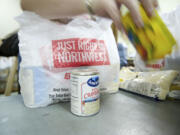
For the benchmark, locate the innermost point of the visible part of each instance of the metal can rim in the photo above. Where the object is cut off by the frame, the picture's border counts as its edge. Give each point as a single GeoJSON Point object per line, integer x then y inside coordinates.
{"type": "Point", "coordinates": [84, 72]}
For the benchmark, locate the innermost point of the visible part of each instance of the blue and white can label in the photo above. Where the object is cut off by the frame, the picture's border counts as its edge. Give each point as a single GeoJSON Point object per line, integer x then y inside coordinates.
{"type": "Point", "coordinates": [85, 96]}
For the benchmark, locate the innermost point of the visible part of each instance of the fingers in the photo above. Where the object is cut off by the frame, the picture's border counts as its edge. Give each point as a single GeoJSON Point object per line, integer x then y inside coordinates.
{"type": "Point", "coordinates": [111, 7]}
{"type": "Point", "coordinates": [114, 13]}
{"type": "Point", "coordinates": [155, 3]}
{"type": "Point", "coordinates": [149, 6]}
{"type": "Point", "coordinates": [133, 7]}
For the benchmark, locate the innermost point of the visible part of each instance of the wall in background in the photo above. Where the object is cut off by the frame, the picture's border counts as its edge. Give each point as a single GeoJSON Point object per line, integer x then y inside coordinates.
{"type": "Point", "coordinates": [8, 10]}
{"type": "Point", "coordinates": [168, 5]}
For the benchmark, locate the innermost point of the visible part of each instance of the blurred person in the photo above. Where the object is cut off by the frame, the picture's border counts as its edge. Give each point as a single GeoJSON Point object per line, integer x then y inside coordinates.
{"type": "Point", "coordinates": [54, 9]}
{"type": "Point", "coordinates": [122, 50]}
{"type": "Point", "coordinates": [9, 46]}
{"type": "Point", "coordinates": [58, 9]}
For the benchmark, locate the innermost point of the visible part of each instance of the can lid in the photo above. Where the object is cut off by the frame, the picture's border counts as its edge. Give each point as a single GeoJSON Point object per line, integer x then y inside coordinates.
{"type": "Point", "coordinates": [84, 72]}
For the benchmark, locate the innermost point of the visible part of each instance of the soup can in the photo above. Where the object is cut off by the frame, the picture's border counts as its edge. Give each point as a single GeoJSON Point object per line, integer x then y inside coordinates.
{"type": "Point", "coordinates": [85, 95]}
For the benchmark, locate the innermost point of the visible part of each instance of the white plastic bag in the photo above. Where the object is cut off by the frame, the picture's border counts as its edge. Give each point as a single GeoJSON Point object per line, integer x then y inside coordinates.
{"type": "Point", "coordinates": [172, 61]}
{"type": "Point", "coordinates": [51, 50]}
{"type": "Point", "coordinates": [154, 84]}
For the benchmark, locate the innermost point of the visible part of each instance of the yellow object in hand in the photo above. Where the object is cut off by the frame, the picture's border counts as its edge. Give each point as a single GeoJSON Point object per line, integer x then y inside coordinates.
{"type": "Point", "coordinates": [154, 40]}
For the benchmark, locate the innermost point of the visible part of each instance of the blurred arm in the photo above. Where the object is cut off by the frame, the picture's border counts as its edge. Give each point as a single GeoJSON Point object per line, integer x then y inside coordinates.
{"type": "Point", "coordinates": [53, 9]}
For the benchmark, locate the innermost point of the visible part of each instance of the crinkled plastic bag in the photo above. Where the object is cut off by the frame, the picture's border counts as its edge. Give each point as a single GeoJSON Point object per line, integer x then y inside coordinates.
{"type": "Point", "coordinates": [152, 84]}
{"type": "Point", "coordinates": [51, 50]}
{"type": "Point", "coordinates": [175, 89]}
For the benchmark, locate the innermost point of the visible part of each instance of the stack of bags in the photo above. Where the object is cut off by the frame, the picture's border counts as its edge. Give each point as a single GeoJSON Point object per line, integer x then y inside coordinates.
{"type": "Point", "coordinates": [3, 78]}
{"type": "Point", "coordinates": [155, 84]}
{"type": "Point", "coordinates": [175, 89]}
{"type": "Point", "coordinates": [5, 65]}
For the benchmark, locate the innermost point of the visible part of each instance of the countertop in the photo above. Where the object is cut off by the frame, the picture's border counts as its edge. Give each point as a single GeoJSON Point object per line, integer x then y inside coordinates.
{"type": "Point", "coordinates": [122, 113]}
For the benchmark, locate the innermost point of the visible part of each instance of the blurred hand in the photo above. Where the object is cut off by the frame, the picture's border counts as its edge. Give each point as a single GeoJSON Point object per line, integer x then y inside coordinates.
{"type": "Point", "coordinates": [110, 8]}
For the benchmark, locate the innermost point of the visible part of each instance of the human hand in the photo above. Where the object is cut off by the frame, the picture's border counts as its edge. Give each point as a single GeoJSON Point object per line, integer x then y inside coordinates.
{"type": "Point", "coordinates": [110, 8]}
